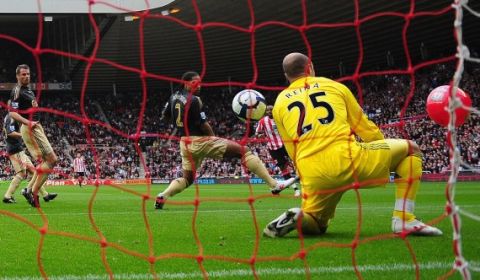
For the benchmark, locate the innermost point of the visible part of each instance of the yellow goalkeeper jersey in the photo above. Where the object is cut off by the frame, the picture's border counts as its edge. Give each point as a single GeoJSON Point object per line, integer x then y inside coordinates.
{"type": "Point", "coordinates": [318, 115]}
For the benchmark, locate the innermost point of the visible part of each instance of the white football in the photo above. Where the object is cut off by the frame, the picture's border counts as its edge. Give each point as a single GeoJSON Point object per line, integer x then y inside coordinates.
{"type": "Point", "coordinates": [249, 104]}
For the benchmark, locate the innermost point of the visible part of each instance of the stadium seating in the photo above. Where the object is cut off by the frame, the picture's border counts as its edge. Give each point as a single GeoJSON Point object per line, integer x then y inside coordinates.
{"type": "Point", "coordinates": [383, 99]}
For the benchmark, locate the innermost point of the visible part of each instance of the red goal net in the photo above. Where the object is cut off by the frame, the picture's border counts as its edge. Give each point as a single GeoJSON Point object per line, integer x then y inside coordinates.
{"type": "Point", "coordinates": [389, 54]}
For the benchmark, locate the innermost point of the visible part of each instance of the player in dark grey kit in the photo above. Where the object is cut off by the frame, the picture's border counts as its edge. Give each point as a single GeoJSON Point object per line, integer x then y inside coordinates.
{"type": "Point", "coordinates": [22, 99]}
{"type": "Point", "coordinates": [185, 111]}
{"type": "Point", "coordinates": [20, 161]}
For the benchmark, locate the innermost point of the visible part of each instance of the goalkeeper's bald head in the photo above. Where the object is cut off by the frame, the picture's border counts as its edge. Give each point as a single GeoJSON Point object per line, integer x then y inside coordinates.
{"type": "Point", "coordinates": [297, 65]}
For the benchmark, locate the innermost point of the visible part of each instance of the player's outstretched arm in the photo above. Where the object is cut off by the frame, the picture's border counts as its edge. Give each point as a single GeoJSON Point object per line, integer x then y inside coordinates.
{"type": "Point", "coordinates": [165, 112]}
{"type": "Point", "coordinates": [17, 117]}
{"type": "Point", "coordinates": [14, 134]}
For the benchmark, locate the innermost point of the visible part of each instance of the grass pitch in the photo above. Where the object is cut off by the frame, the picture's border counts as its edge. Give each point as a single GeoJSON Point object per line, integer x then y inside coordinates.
{"type": "Point", "coordinates": [87, 233]}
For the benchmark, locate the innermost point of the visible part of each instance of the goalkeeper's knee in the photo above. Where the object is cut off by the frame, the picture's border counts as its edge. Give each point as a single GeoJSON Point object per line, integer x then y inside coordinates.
{"type": "Point", "coordinates": [414, 149]}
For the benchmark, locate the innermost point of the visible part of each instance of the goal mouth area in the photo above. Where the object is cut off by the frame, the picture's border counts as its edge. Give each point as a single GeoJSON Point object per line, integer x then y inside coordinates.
{"type": "Point", "coordinates": [143, 75]}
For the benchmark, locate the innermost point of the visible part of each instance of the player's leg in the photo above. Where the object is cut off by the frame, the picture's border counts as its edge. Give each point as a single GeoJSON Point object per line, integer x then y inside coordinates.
{"type": "Point", "coordinates": [43, 170]}
{"type": "Point", "coordinates": [283, 162]}
{"type": "Point", "coordinates": [407, 163]}
{"type": "Point", "coordinates": [176, 186]}
{"type": "Point", "coordinates": [321, 195]}
{"type": "Point", "coordinates": [40, 148]}
{"type": "Point", "coordinates": [191, 160]}
{"type": "Point", "coordinates": [47, 196]}
{"type": "Point", "coordinates": [80, 178]}
{"type": "Point", "coordinates": [8, 196]}
{"type": "Point", "coordinates": [326, 176]}
{"type": "Point", "coordinates": [27, 192]}
{"type": "Point", "coordinates": [32, 147]}
{"type": "Point", "coordinates": [20, 174]}
{"type": "Point", "coordinates": [281, 157]}
{"type": "Point", "coordinates": [254, 164]}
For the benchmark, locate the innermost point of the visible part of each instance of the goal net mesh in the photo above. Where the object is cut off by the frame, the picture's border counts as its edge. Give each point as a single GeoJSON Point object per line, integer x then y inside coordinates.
{"type": "Point", "coordinates": [401, 83]}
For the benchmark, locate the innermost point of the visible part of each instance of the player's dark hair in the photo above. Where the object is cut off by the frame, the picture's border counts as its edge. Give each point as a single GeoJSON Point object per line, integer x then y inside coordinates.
{"type": "Point", "coordinates": [296, 66]}
{"type": "Point", "coordinates": [21, 66]}
{"type": "Point", "coordinates": [188, 76]}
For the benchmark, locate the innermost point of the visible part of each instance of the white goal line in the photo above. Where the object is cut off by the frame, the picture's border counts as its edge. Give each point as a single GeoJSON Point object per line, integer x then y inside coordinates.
{"type": "Point", "coordinates": [248, 272]}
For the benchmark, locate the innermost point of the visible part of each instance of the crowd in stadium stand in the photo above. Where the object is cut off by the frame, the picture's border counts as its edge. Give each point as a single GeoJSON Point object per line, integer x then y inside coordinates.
{"type": "Point", "coordinates": [119, 157]}
{"type": "Point", "coordinates": [430, 137]}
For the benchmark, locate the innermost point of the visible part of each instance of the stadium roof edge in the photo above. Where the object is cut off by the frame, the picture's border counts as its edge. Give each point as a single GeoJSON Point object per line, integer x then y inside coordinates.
{"type": "Point", "coordinates": [78, 6]}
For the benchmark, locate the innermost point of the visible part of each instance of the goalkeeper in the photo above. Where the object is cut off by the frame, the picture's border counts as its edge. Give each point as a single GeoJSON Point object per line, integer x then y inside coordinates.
{"type": "Point", "coordinates": [318, 119]}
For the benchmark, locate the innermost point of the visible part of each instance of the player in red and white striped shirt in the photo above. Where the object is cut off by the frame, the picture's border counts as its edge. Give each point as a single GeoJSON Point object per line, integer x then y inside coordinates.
{"type": "Point", "coordinates": [267, 128]}
{"type": "Point", "coordinates": [79, 168]}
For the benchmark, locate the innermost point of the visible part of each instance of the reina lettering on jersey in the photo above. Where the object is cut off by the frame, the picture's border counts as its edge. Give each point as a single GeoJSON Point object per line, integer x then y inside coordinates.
{"type": "Point", "coordinates": [302, 90]}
